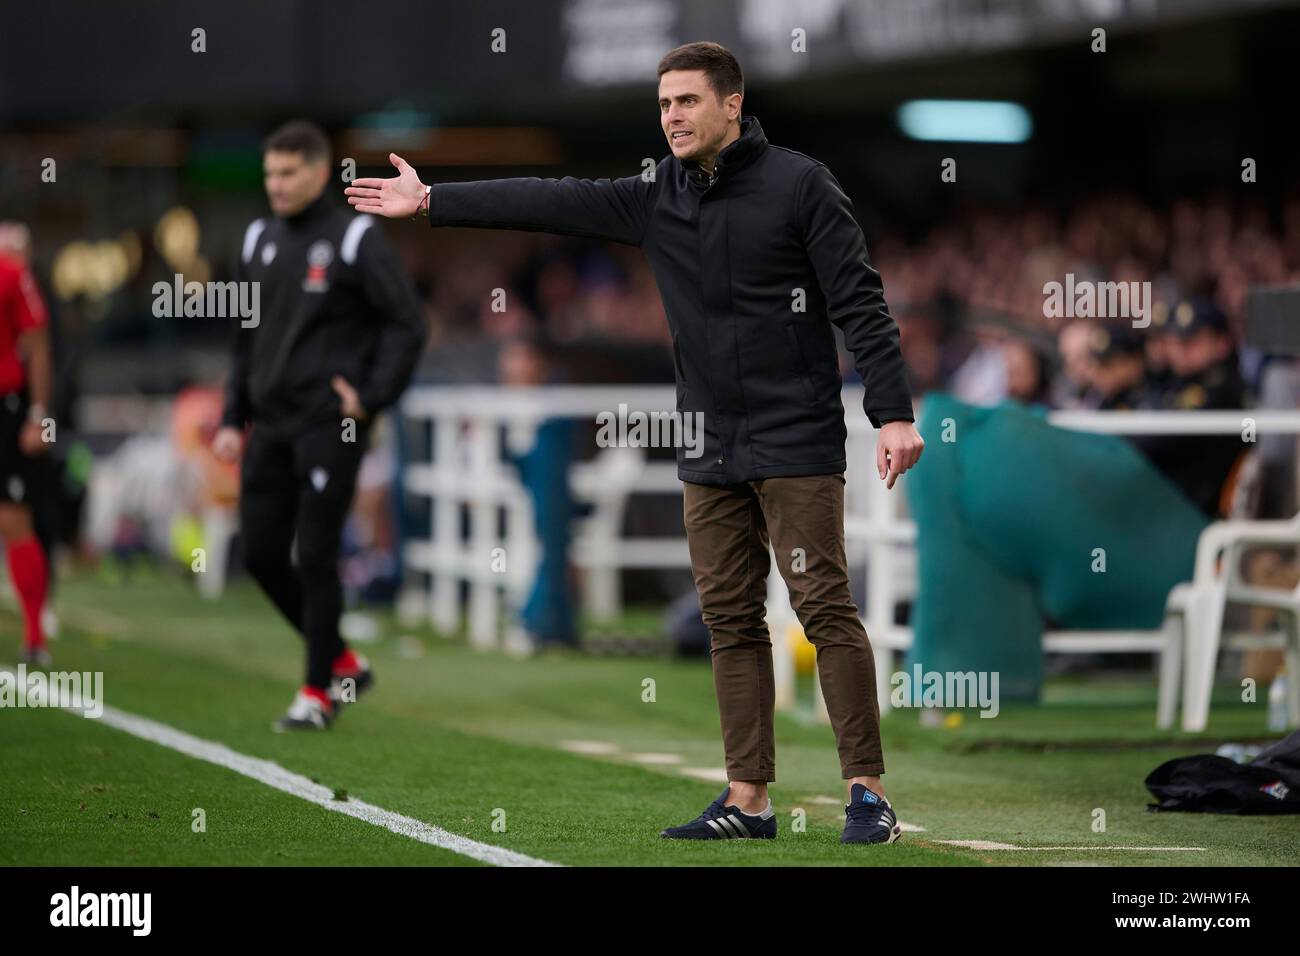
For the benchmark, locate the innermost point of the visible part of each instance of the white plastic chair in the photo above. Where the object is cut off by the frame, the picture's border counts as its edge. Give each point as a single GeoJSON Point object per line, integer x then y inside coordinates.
{"type": "Point", "coordinates": [1203, 602]}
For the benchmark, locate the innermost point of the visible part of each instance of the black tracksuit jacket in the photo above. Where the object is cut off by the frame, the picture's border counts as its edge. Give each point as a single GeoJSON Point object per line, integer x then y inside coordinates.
{"type": "Point", "coordinates": [334, 299]}
{"type": "Point", "coordinates": [734, 258]}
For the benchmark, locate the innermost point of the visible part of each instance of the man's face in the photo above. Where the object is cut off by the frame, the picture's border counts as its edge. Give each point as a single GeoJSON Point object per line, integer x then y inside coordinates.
{"type": "Point", "coordinates": [1112, 375]}
{"type": "Point", "coordinates": [521, 364]}
{"type": "Point", "coordinates": [1076, 353]}
{"type": "Point", "coordinates": [1191, 355]}
{"type": "Point", "coordinates": [693, 117]}
{"type": "Point", "coordinates": [292, 182]}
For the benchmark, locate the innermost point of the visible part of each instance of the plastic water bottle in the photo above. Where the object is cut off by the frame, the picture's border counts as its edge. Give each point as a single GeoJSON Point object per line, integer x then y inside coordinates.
{"type": "Point", "coordinates": [1277, 703]}
{"type": "Point", "coordinates": [1234, 752]}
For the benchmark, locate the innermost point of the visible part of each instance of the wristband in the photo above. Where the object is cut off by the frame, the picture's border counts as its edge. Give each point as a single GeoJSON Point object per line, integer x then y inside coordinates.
{"type": "Point", "coordinates": [423, 208]}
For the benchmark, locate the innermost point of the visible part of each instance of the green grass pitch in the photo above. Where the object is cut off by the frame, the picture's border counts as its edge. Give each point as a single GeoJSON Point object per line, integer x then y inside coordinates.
{"type": "Point", "coordinates": [460, 739]}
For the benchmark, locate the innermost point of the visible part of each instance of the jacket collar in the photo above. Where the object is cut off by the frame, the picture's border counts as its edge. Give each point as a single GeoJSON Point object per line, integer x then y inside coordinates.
{"type": "Point", "coordinates": [743, 151]}
{"type": "Point", "coordinates": [318, 207]}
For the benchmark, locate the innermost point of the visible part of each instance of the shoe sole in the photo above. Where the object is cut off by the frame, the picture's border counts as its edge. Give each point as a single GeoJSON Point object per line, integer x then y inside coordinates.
{"type": "Point", "coordinates": [894, 834]}
{"type": "Point", "coordinates": [673, 836]}
{"type": "Point", "coordinates": [294, 728]}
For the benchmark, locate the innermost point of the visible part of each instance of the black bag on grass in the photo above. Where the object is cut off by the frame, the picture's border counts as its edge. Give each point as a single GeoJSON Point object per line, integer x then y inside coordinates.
{"type": "Point", "coordinates": [1208, 783]}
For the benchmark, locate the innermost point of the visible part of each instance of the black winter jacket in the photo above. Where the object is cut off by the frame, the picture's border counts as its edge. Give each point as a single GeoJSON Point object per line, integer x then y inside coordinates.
{"type": "Point", "coordinates": [334, 299]}
{"type": "Point", "coordinates": [750, 264]}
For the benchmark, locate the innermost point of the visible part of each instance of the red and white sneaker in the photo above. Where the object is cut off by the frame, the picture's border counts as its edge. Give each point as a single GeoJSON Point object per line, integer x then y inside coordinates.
{"type": "Point", "coordinates": [351, 677]}
{"type": "Point", "coordinates": [311, 710]}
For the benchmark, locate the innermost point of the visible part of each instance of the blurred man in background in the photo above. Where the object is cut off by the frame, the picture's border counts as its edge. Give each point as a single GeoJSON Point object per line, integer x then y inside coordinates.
{"type": "Point", "coordinates": [1074, 346]}
{"type": "Point", "coordinates": [339, 334]}
{"type": "Point", "coordinates": [1118, 371]}
{"type": "Point", "coordinates": [1204, 375]}
{"type": "Point", "coordinates": [1028, 372]}
{"type": "Point", "coordinates": [25, 393]}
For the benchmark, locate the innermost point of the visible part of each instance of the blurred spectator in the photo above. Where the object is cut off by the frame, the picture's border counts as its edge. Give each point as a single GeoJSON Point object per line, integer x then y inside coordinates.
{"type": "Point", "coordinates": [1027, 371]}
{"type": "Point", "coordinates": [1075, 347]}
{"type": "Point", "coordinates": [547, 616]}
{"type": "Point", "coordinates": [1117, 370]}
{"type": "Point", "coordinates": [210, 487]}
{"type": "Point", "coordinates": [1203, 360]}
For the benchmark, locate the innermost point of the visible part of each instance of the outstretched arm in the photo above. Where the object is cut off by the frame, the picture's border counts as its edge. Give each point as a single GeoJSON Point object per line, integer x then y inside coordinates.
{"type": "Point", "coordinates": [613, 209]}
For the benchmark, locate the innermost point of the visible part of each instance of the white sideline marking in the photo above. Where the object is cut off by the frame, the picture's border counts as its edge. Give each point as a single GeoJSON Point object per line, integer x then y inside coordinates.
{"type": "Point", "coordinates": [273, 775]}
{"type": "Point", "coordinates": [588, 747]}
{"type": "Point", "coordinates": [1139, 849]}
{"type": "Point", "coordinates": [710, 774]}
{"type": "Point", "coordinates": [657, 758]}
{"type": "Point", "coordinates": [990, 845]}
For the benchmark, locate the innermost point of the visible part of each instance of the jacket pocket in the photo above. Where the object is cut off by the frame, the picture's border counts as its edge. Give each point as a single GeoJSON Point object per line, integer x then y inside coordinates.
{"type": "Point", "coordinates": [800, 361]}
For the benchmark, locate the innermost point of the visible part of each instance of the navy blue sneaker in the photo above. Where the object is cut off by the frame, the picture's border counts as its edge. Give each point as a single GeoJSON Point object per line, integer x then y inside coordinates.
{"type": "Point", "coordinates": [721, 822]}
{"type": "Point", "coordinates": [869, 818]}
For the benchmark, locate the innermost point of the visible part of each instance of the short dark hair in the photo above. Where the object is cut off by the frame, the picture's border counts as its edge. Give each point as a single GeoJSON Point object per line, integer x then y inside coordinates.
{"type": "Point", "coordinates": [299, 136]}
{"type": "Point", "coordinates": [717, 62]}
{"type": "Point", "coordinates": [536, 338]}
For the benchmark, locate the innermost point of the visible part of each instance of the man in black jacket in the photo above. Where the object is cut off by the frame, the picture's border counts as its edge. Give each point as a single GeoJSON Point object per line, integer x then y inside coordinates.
{"type": "Point", "coordinates": [336, 340]}
{"type": "Point", "coordinates": [756, 253]}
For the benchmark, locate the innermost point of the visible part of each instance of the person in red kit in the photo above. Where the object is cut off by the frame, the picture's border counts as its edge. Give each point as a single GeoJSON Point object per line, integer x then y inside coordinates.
{"type": "Point", "coordinates": [25, 373]}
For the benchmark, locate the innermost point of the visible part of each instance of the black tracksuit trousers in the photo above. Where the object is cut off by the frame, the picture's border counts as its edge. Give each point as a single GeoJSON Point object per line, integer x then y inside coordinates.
{"type": "Point", "coordinates": [301, 484]}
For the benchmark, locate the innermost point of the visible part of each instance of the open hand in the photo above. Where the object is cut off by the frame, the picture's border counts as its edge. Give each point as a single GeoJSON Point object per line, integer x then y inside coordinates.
{"type": "Point", "coordinates": [394, 198]}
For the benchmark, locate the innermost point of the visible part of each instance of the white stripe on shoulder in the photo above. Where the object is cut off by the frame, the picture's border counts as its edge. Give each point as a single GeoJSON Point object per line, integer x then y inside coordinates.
{"type": "Point", "coordinates": [251, 235]}
{"type": "Point", "coordinates": [352, 238]}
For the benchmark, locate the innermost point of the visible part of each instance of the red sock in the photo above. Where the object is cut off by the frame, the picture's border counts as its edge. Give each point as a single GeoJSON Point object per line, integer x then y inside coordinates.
{"type": "Point", "coordinates": [316, 692]}
{"type": "Point", "coordinates": [346, 663]}
{"type": "Point", "coordinates": [27, 569]}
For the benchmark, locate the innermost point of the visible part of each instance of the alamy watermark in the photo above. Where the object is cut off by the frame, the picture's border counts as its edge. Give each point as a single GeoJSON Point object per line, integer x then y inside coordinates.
{"type": "Point", "coordinates": [75, 908]}
{"type": "Point", "coordinates": [69, 690]}
{"type": "Point", "coordinates": [212, 300]}
{"type": "Point", "coordinates": [945, 689]}
{"type": "Point", "coordinates": [659, 429]}
{"type": "Point", "coordinates": [1085, 299]}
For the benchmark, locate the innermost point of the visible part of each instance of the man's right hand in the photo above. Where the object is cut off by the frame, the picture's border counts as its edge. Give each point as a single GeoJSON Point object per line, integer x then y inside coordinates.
{"type": "Point", "coordinates": [395, 198]}
{"type": "Point", "coordinates": [228, 443]}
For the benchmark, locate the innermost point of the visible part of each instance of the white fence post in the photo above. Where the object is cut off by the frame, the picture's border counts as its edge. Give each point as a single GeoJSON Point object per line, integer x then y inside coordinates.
{"type": "Point", "coordinates": [445, 515]}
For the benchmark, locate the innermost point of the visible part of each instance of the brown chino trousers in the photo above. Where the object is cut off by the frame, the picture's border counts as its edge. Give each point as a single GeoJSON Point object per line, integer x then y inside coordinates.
{"type": "Point", "coordinates": [727, 530]}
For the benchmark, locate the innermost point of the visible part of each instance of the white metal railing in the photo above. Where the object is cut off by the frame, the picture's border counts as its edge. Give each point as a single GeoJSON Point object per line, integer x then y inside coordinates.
{"type": "Point", "coordinates": [468, 472]}
{"type": "Point", "coordinates": [888, 536]}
